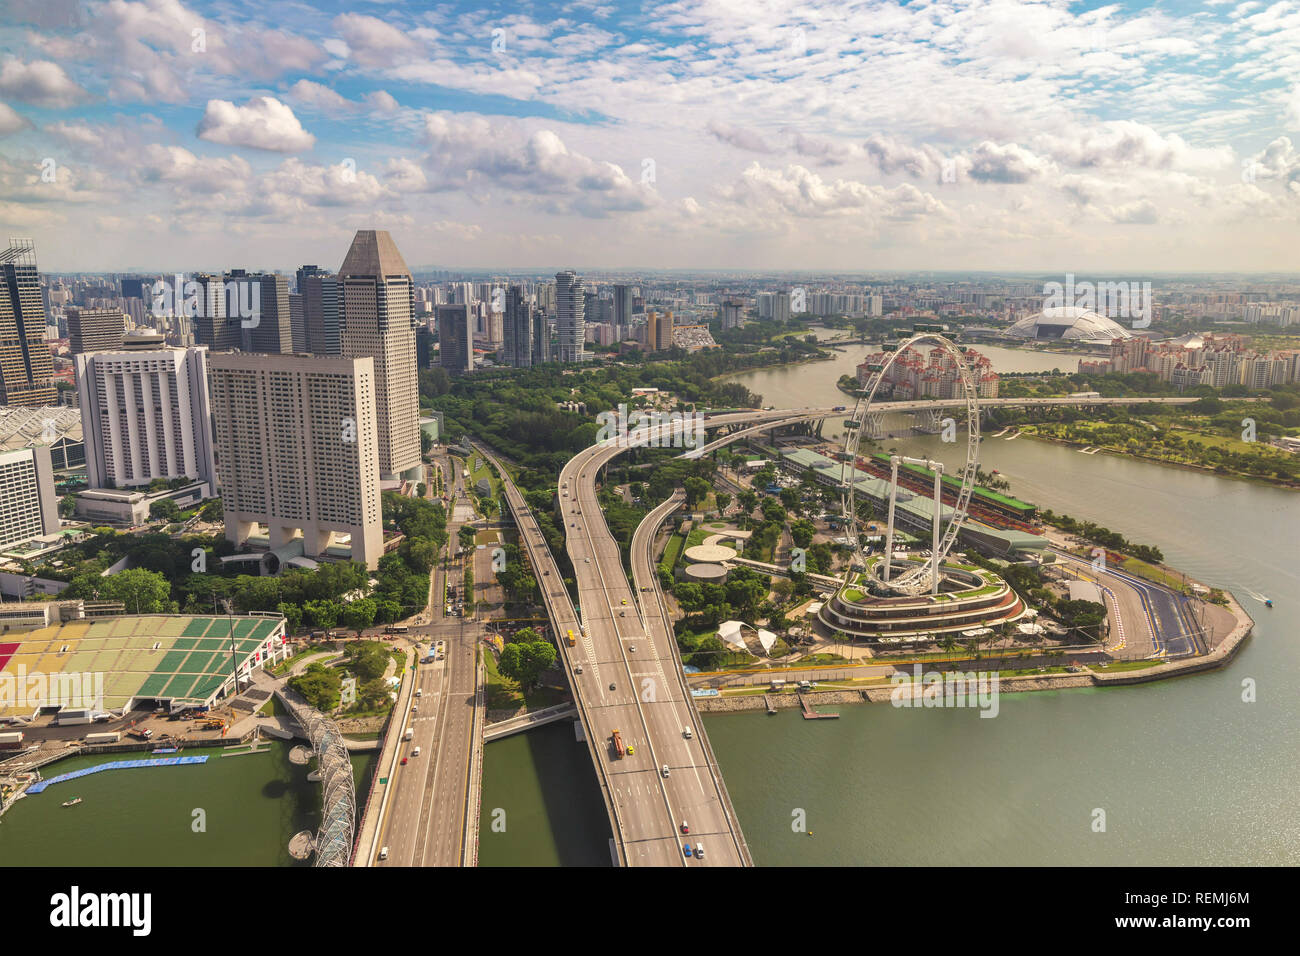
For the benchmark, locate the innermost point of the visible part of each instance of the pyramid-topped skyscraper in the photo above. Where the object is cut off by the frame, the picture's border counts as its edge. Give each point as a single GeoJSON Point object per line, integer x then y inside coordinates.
{"type": "Point", "coordinates": [377, 309]}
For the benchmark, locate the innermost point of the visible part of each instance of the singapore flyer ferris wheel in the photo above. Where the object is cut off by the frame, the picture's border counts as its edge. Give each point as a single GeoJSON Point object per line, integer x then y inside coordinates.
{"type": "Point", "coordinates": [914, 578]}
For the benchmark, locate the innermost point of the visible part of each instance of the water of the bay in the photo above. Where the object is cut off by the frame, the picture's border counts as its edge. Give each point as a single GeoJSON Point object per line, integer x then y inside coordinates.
{"type": "Point", "coordinates": [229, 811]}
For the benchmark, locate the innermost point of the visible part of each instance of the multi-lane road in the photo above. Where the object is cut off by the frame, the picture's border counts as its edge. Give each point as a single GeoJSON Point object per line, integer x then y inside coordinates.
{"type": "Point", "coordinates": [430, 812]}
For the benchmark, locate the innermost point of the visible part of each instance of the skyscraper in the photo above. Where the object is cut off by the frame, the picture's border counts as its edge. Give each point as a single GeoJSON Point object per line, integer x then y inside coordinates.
{"type": "Point", "coordinates": [541, 337]}
{"type": "Point", "coordinates": [213, 327]}
{"type": "Point", "coordinates": [378, 309]}
{"type": "Point", "coordinates": [455, 338]}
{"type": "Point", "coordinates": [271, 329]}
{"type": "Point", "coordinates": [320, 291]}
{"type": "Point", "coordinates": [298, 323]}
{"type": "Point", "coordinates": [570, 329]}
{"type": "Point", "coordinates": [145, 414]}
{"type": "Point", "coordinates": [93, 330]}
{"type": "Point", "coordinates": [298, 446]}
{"type": "Point", "coordinates": [29, 506]}
{"type": "Point", "coordinates": [518, 329]}
{"type": "Point", "coordinates": [26, 366]}
{"type": "Point", "coordinates": [623, 308]}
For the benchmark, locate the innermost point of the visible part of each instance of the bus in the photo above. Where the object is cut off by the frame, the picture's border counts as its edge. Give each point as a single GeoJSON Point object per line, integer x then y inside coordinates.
{"type": "Point", "coordinates": [396, 629]}
{"type": "Point", "coordinates": [572, 642]}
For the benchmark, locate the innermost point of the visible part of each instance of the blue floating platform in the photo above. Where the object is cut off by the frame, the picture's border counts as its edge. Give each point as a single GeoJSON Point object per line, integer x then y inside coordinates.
{"type": "Point", "coordinates": [117, 765]}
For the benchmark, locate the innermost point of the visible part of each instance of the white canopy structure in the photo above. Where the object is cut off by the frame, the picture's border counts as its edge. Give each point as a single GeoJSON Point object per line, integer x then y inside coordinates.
{"type": "Point", "coordinates": [729, 632]}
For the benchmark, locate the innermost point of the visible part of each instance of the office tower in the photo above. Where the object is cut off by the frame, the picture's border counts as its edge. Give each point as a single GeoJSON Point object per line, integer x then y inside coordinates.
{"type": "Point", "coordinates": [455, 338]}
{"type": "Point", "coordinates": [134, 287]}
{"type": "Point", "coordinates": [298, 444]}
{"type": "Point", "coordinates": [423, 346]}
{"type": "Point", "coordinates": [623, 307]}
{"type": "Point", "coordinates": [378, 320]}
{"type": "Point", "coordinates": [26, 366]}
{"type": "Point", "coordinates": [29, 506]}
{"type": "Point", "coordinates": [320, 300]}
{"type": "Point", "coordinates": [297, 323]}
{"type": "Point", "coordinates": [93, 330]}
{"type": "Point", "coordinates": [212, 325]}
{"type": "Point", "coordinates": [541, 337]}
{"type": "Point", "coordinates": [270, 328]}
{"type": "Point", "coordinates": [569, 317]}
{"type": "Point", "coordinates": [145, 414]}
{"type": "Point", "coordinates": [518, 329]}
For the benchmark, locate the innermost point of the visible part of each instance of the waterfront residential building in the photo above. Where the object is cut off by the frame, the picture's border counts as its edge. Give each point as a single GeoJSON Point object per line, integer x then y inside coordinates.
{"type": "Point", "coordinates": [378, 314]}
{"type": "Point", "coordinates": [298, 446]}
{"type": "Point", "coordinates": [145, 415]}
{"type": "Point", "coordinates": [26, 366]}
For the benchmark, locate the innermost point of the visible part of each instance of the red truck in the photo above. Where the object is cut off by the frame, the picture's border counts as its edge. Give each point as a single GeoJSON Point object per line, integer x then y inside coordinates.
{"type": "Point", "coordinates": [618, 744]}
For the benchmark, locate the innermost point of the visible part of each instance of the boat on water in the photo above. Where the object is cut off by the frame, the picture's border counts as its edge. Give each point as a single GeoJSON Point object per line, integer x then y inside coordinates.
{"type": "Point", "coordinates": [73, 802]}
{"type": "Point", "coordinates": [1268, 602]}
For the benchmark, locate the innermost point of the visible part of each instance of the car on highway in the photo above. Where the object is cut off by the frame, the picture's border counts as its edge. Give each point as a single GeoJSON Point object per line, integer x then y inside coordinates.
{"type": "Point", "coordinates": [403, 761]}
{"type": "Point", "coordinates": [686, 848]}
{"type": "Point", "coordinates": [632, 648]}
{"type": "Point", "coordinates": [686, 732]}
{"type": "Point", "coordinates": [623, 601]}
{"type": "Point", "coordinates": [630, 750]}
{"type": "Point", "coordinates": [666, 771]}
{"type": "Point", "coordinates": [588, 560]}
{"type": "Point", "coordinates": [699, 850]}
{"type": "Point", "coordinates": [577, 668]}
{"type": "Point", "coordinates": [611, 686]}
{"type": "Point", "coordinates": [686, 827]}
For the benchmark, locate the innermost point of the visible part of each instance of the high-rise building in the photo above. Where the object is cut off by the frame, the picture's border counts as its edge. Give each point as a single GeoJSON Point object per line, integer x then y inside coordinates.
{"type": "Point", "coordinates": [378, 318]}
{"type": "Point", "coordinates": [133, 287]}
{"type": "Point", "coordinates": [26, 366]}
{"type": "Point", "coordinates": [541, 338]}
{"type": "Point", "coordinates": [731, 314]}
{"type": "Point", "coordinates": [29, 506]}
{"type": "Point", "coordinates": [569, 328]}
{"type": "Point", "coordinates": [623, 308]}
{"type": "Point", "coordinates": [213, 326]}
{"type": "Point", "coordinates": [297, 323]}
{"type": "Point", "coordinates": [659, 331]}
{"type": "Point", "coordinates": [518, 329]}
{"type": "Point", "coordinates": [320, 291]}
{"type": "Point", "coordinates": [145, 414]}
{"type": "Point", "coordinates": [93, 330]}
{"type": "Point", "coordinates": [455, 338]}
{"type": "Point", "coordinates": [423, 346]}
{"type": "Point", "coordinates": [297, 443]}
{"type": "Point", "coordinates": [270, 328]}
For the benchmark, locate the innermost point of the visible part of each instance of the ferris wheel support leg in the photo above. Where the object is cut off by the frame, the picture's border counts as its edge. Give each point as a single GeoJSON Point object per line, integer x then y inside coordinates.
{"type": "Point", "coordinates": [934, 531]}
{"type": "Point", "coordinates": [889, 526]}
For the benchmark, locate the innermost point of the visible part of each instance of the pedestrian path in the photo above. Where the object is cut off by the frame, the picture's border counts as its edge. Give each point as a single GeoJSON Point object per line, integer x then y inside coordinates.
{"type": "Point", "coordinates": [116, 765]}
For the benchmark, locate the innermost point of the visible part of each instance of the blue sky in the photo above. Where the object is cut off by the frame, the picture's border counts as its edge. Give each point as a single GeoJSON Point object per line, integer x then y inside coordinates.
{"type": "Point", "coordinates": [761, 134]}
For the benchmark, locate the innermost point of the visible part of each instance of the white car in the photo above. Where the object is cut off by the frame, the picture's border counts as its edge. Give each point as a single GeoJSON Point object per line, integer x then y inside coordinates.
{"type": "Point", "coordinates": [665, 770]}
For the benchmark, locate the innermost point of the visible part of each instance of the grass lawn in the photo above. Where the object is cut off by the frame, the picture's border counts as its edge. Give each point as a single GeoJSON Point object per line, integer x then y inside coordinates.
{"type": "Point", "coordinates": [672, 551]}
{"type": "Point", "coordinates": [505, 694]}
{"type": "Point", "coordinates": [1126, 666]}
{"type": "Point", "coordinates": [1152, 573]}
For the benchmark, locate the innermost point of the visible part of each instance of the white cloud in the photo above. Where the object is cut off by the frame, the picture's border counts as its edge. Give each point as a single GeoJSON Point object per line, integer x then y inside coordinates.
{"type": "Point", "coordinates": [747, 139]}
{"type": "Point", "coordinates": [315, 94]}
{"type": "Point", "coordinates": [11, 121]}
{"type": "Point", "coordinates": [40, 83]}
{"type": "Point", "coordinates": [371, 41]}
{"type": "Point", "coordinates": [263, 123]}
{"type": "Point", "coordinates": [470, 150]}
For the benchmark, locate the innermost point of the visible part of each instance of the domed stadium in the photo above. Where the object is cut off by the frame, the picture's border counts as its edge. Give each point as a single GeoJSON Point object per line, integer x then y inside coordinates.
{"type": "Point", "coordinates": [1069, 323]}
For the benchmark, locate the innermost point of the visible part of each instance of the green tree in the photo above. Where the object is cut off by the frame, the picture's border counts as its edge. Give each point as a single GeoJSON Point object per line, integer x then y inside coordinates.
{"type": "Point", "coordinates": [141, 591]}
{"type": "Point", "coordinates": [320, 686]}
{"type": "Point", "coordinates": [525, 663]}
{"type": "Point", "coordinates": [359, 615]}
{"type": "Point", "coordinates": [166, 509]}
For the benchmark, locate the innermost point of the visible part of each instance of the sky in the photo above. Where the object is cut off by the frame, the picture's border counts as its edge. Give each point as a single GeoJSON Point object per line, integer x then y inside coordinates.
{"type": "Point", "coordinates": [1090, 138]}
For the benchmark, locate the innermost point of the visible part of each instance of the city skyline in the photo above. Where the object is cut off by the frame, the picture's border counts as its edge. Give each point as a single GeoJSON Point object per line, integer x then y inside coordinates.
{"type": "Point", "coordinates": [867, 135]}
